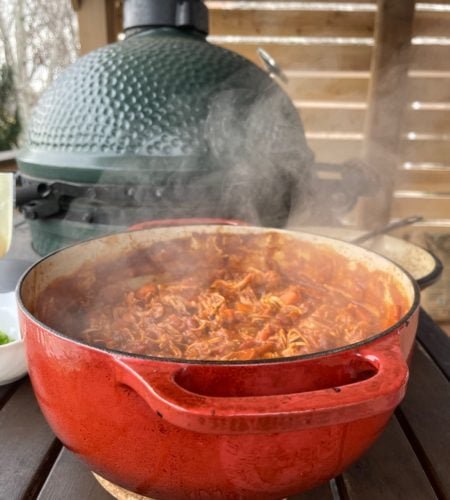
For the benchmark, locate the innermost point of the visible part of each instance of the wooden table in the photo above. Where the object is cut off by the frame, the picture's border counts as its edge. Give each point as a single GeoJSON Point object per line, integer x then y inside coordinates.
{"type": "Point", "coordinates": [411, 460]}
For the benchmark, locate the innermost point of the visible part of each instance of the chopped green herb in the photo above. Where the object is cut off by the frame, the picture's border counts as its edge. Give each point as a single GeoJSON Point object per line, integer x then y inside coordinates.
{"type": "Point", "coordinates": [4, 339]}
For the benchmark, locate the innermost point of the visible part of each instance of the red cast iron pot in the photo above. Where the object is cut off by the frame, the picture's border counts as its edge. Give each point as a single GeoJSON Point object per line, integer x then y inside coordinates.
{"type": "Point", "coordinates": [175, 429]}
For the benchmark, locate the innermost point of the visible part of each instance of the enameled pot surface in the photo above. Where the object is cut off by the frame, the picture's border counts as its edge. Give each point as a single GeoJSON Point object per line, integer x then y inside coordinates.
{"type": "Point", "coordinates": [171, 429]}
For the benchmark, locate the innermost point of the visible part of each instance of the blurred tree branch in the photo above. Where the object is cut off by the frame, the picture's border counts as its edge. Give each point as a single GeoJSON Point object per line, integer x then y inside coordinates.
{"type": "Point", "coordinates": [9, 119]}
{"type": "Point", "coordinates": [38, 38]}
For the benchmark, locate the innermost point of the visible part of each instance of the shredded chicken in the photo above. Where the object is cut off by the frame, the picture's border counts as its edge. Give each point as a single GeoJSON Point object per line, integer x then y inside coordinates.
{"type": "Point", "coordinates": [228, 297]}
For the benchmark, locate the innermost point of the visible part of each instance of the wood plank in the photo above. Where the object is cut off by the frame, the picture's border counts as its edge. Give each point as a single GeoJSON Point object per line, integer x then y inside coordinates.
{"type": "Point", "coordinates": [334, 151]}
{"type": "Point", "coordinates": [430, 57]}
{"type": "Point", "coordinates": [429, 89]}
{"type": "Point", "coordinates": [93, 26]}
{"type": "Point", "coordinates": [435, 341]}
{"type": "Point", "coordinates": [336, 119]}
{"type": "Point", "coordinates": [389, 471]}
{"type": "Point", "coordinates": [332, 120]}
{"type": "Point", "coordinates": [433, 206]}
{"type": "Point", "coordinates": [426, 419]}
{"type": "Point", "coordinates": [72, 480]}
{"type": "Point", "coordinates": [328, 89]}
{"type": "Point", "coordinates": [436, 181]}
{"type": "Point", "coordinates": [291, 22]}
{"type": "Point", "coordinates": [427, 92]}
{"type": "Point", "coordinates": [431, 23]}
{"type": "Point", "coordinates": [423, 151]}
{"type": "Point", "coordinates": [427, 121]}
{"type": "Point", "coordinates": [27, 444]}
{"type": "Point", "coordinates": [296, 56]}
{"type": "Point", "coordinates": [6, 392]}
{"type": "Point", "coordinates": [320, 493]}
{"type": "Point", "coordinates": [337, 88]}
{"type": "Point", "coordinates": [343, 119]}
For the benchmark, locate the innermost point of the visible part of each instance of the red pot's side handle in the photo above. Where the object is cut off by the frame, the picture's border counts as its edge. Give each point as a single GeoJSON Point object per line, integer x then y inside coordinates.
{"type": "Point", "coordinates": [276, 413]}
{"type": "Point", "coordinates": [196, 221]}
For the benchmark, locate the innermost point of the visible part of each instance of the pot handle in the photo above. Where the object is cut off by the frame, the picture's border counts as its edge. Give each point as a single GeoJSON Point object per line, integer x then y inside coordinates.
{"type": "Point", "coordinates": [275, 413]}
{"type": "Point", "coordinates": [195, 221]}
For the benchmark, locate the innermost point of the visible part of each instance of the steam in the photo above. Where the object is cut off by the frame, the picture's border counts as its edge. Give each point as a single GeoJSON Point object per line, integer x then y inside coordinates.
{"type": "Point", "coordinates": [256, 137]}
{"type": "Point", "coordinates": [248, 160]}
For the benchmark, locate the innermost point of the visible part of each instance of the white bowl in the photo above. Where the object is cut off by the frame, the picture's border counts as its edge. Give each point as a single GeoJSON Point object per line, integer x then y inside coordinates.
{"type": "Point", "coordinates": [12, 355]}
{"type": "Point", "coordinates": [423, 266]}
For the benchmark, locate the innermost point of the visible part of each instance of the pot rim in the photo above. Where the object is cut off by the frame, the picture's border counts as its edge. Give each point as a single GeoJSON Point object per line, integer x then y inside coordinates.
{"type": "Point", "coordinates": [288, 359]}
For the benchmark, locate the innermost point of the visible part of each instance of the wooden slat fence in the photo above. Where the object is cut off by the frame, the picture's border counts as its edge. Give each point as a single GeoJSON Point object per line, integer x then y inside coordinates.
{"type": "Point", "coordinates": [325, 48]}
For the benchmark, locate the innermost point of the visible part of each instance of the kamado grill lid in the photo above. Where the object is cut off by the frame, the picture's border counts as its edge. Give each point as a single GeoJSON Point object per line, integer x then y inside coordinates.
{"type": "Point", "coordinates": [166, 113]}
{"type": "Point", "coordinates": [162, 100]}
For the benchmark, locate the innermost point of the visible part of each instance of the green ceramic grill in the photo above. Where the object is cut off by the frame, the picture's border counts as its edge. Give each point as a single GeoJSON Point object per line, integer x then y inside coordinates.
{"type": "Point", "coordinates": [162, 124]}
